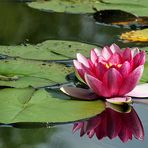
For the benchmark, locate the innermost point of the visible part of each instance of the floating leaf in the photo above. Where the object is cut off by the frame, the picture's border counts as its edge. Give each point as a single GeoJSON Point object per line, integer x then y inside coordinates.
{"type": "Point", "coordinates": [48, 50]}
{"type": "Point", "coordinates": [81, 6]}
{"type": "Point", "coordinates": [31, 73]}
{"type": "Point", "coordinates": [135, 36]}
{"type": "Point", "coordinates": [144, 78]}
{"type": "Point", "coordinates": [30, 105]}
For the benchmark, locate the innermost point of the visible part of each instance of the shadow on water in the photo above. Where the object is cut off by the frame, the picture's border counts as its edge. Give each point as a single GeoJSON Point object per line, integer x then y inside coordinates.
{"type": "Point", "coordinates": [22, 24]}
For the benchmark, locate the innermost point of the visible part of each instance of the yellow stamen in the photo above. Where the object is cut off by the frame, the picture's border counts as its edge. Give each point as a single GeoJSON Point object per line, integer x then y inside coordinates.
{"type": "Point", "coordinates": [108, 65]}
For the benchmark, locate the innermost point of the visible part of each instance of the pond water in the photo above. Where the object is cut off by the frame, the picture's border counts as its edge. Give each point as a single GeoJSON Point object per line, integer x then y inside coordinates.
{"type": "Point", "coordinates": [61, 136]}
{"type": "Point", "coordinates": [20, 24]}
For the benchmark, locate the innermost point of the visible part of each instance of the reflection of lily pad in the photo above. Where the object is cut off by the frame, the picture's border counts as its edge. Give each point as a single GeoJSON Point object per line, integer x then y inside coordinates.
{"type": "Point", "coordinates": [29, 105]}
{"type": "Point", "coordinates": [136, 36]}
{"type": "Point", "coordinates": [134, 6]}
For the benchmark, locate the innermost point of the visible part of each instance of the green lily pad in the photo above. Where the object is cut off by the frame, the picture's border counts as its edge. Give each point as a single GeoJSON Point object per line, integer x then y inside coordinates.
{"type": "Point", "coordinates": [30, 105]}
{"type": "Point", "coordinates": [83, 6]}
{"type": "Point", "coordinates": [144, 78]}
{"type": "Point", "coordinates": [48, 50]}
{"type": "Point", "coordinates": [26, 67]}
{"type": "Point", "coordinates": [31, 73]}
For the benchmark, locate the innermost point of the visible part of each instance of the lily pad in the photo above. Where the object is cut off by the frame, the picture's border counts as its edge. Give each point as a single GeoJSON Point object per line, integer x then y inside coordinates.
{"type": "Point", "coordinates": [135, 36]}
{"type": "Point", "coordinates": [144, 78]}
{"type": "Point", "coordinates": [31, 73]}
{"type": "Point", "coordinates": [82, 6]}
{"type": "Point", "coordinates": [48, 50]}
{"type": "Point", "coordinates": [30, 105]}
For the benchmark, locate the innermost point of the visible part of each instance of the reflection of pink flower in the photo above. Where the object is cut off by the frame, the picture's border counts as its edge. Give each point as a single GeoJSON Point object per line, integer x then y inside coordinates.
{"type": "Point", "coordinates": [112, 124]}
{"type": "Point", "coordinates": [111, 73]}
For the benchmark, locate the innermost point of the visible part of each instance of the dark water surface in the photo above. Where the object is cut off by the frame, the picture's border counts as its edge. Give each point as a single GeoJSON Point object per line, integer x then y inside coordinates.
{"type": "Point", "coordinates": [20, 24]}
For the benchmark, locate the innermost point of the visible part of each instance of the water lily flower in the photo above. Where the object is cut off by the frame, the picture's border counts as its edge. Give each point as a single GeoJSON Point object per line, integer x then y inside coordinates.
{"type": "Point", "coordinates": [112, 124]}
{"type": "Point", "coordinates": [111, 74]}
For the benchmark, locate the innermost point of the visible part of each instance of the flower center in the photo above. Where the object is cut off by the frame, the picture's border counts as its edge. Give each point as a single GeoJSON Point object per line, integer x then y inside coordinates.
{"type": "Point", "coordinates": [108, 65]}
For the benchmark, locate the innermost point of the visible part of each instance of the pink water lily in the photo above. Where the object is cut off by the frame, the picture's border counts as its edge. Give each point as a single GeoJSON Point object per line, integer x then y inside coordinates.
{"type": "Point", "coordinates": [112, 124]}
{"type": "Point", "coordinates": [110, 73]}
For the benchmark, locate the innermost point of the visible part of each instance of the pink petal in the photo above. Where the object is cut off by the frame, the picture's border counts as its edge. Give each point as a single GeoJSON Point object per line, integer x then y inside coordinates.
{"type": "Point", "coordinates": [115, 59]}
{"type": "Point", "coordinates": [77, 64]}
{"type": "Point", "coordinates": [134, 51]}
{"type": "Point", "coordinates": [88, 71]}
{"type": "Point", "coordinates": [98, 52]}
{"type": "Point", "coordinates": [93, 56]}
{"type": "Point", "coordinates": [82, 59]}
{"type": "Point", "coordinates": [125, 69]}
{"type": "Point", "coordinates": [119, 100]}
{"type": "Point", "coordinates": [100, 70]}
{"type": "Point", "coordinates": [112, 80]}
{"type": "Point", "coordinates": [114, 48]}
{"type": "Point", "coordinates": [140, 91]}
{"type": "Point", "coordinates": [79, 93]}
{"type": "Point", "coordinates": [139, 59]}
{"type": "Point", "coordinates": [91, 64]}
{"type": "Point", "coordinates": [130, 82]}
{"type": "Point", "coordinates": [106, 53]}
{"type": "Point", "coordinates": [127, 56]}
{"type": "Point", "coordinates": [97, 86]}
{"type": "Point", "coordinates": [79, 68]}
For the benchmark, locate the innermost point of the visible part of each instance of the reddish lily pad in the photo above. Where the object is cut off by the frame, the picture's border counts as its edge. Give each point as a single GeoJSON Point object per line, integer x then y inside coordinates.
{"type": "Point", "coordinates": [120, 18]}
